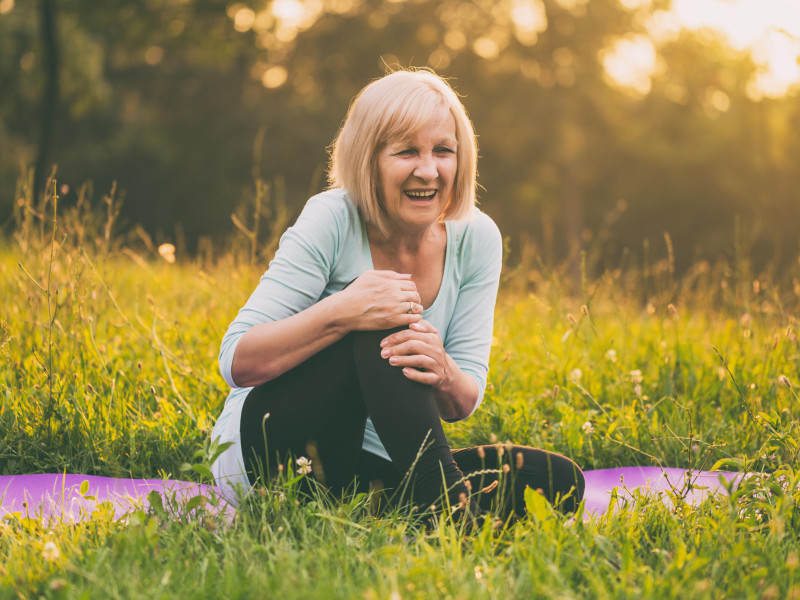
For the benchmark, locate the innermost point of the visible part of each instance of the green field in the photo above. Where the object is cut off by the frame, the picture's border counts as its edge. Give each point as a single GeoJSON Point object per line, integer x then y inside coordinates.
{"type": "Point", "coordinates": [109, 368]}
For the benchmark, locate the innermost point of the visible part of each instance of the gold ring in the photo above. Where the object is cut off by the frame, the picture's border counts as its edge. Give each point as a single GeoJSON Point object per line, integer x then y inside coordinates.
{"type": "Point", "coordinates": [410, 308]}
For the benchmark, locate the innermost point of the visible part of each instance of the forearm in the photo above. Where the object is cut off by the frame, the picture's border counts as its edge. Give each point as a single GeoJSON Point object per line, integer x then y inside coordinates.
{"type": "Point", "coordinates": [457, 395]}
{"type": "Point", "coordinates": [377, 300]}
{"type": "Point", "coordinates": [268, 350]}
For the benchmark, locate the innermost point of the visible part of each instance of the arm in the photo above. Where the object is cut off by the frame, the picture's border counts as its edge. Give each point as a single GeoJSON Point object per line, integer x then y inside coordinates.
{"type": "Point", "coordinates": [376, 300]}
{"type": "Point", "coordinates": [283, 321]}
{"type": "Point", "coordinates": [457, 367]}
{"type": "Point", "coordinates": [420, 351]}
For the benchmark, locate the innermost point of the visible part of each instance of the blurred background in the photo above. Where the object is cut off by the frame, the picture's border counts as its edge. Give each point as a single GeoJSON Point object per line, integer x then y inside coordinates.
{"type": "Point", "coordinates": [629, 127]}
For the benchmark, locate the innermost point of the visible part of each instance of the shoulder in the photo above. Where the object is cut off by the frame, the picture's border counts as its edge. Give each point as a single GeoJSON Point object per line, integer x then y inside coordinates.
{"type": "Point", "coordinates": [327, 218]}
{"type": "Point", "coordinates": [483, 228]}
{"type": "Point", "coordinates": [330, 207]}
{"type": "Point", "coordinates": [478, 236]}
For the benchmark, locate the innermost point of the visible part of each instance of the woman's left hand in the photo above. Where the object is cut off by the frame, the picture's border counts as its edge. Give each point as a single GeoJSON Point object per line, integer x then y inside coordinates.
{"type": "Point", "coordinates": [420, 352]}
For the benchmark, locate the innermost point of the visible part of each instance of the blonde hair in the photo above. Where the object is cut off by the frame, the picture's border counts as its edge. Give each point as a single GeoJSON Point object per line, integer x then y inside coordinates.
{"type": "Point", "coordinates": [394, 108]}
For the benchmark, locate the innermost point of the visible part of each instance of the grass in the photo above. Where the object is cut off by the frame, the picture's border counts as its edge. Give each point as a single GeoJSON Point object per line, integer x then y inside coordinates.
{"type": "Point", "coordinates": [108, 358]}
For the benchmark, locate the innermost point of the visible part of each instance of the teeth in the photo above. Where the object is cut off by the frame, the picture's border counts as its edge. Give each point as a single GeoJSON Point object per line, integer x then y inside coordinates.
{"type": "Point", "coordinates": [416, 194]}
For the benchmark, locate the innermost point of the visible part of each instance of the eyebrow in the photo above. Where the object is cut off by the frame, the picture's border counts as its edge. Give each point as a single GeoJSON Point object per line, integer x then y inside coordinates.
{"type": "Point", "coordinates": [448, 141]}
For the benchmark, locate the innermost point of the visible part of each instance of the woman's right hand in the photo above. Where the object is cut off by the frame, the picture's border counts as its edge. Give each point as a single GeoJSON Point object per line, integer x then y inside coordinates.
{"type": "Point", "coordinates": [380, 300]}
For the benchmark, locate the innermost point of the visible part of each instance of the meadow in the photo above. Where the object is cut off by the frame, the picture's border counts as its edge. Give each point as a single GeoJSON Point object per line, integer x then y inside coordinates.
{"type": "Point", "coordinates": [109, 367]}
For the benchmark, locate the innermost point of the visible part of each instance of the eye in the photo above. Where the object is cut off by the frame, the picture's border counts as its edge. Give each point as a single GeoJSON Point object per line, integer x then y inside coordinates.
{"type": "Point", "coordinates": [444, 150]}
{"type": "Point", "coordinates": [405, 152]}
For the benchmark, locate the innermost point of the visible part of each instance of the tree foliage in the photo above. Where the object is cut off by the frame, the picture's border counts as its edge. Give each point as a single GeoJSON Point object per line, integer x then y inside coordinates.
{"type": "Point", "coordinates": [186, 102]}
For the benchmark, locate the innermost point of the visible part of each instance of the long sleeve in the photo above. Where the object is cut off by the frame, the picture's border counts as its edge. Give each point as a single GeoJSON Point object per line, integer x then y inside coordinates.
{"type": "Point", "coordinates": [468, 338]}
{"type": "Point", "coordinates": [296, 277]}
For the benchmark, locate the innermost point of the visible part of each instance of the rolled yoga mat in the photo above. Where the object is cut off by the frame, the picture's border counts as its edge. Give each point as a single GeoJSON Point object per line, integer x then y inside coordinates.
{"type": "Point", "coordinates": [59, 496]}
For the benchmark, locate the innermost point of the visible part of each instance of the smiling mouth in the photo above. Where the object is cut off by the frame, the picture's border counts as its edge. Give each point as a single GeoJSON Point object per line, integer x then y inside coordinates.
{"type": "Point", "coordinates": [420, 194]}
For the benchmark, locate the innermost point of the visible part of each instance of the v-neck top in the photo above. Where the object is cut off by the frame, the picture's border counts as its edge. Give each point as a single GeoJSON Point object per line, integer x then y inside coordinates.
{"type": "Point", "coordinates": [320, 255]}
{"type": "Point", "coordinates": [367, 253]}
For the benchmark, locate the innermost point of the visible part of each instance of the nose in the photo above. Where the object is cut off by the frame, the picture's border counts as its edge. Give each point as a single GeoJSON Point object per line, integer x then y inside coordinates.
{"type": "Point", "coordinates": [426, 168]}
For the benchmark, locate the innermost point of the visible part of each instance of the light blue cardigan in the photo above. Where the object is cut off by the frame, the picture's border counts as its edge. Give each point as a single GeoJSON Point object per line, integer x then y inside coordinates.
{"type": "Point", "coordinates": [324, 251]}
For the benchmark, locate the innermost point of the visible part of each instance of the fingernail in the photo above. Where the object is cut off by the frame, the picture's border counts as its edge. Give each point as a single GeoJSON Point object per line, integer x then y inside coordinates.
{"type": "Point", "coordinates": [393, 360]}
{"type": "Point", "coordinates": [384, 343]}
{"type": "Point", "coordinates": [385, 353]}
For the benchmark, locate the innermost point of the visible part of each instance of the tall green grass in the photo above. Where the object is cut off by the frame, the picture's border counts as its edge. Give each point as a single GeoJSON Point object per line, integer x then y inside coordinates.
{"type": "Point", "coordinates": [108, 355]}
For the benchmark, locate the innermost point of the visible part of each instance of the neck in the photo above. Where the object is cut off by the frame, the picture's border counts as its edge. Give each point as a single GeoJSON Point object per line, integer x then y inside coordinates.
{"type": "Point", "coordinates": [403, 240]}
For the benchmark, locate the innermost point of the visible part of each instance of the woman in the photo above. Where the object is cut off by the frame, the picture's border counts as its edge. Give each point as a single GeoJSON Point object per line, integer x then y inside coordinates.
{"type": "Point", "coordinates": [374, 320]}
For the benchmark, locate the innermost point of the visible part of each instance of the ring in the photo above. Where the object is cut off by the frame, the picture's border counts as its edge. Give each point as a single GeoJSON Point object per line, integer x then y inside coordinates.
{"type": "Point", "coordinates": [410, 308]}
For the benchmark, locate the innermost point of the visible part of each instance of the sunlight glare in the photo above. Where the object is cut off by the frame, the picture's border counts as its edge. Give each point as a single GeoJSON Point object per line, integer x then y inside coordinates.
{"type": "Point", "coordinates": [274, 77]}
{"type": "Point", "coordinates": [290, 12]}
{"type": "Point", "coordinates": [244, 19]}
{"type": "Point", "coordinates": [630, 62]}
{"type": "Point", "coordinates": [293, 16]}
{"type": "Point", "coordinates": [770, 30]}
{"type": "Point", "coordinates": [634, 4]}
{"type": "Point", "coordinates": [486, 47]}
{"type": "Point", "coordinates": [529, 18]}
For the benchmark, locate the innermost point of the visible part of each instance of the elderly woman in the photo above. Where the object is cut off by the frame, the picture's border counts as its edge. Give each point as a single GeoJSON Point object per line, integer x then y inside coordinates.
{"type": "Point", "coordinates": [374, 321]}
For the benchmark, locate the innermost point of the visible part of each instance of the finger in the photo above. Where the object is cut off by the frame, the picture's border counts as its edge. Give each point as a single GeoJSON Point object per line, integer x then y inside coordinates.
{"type": "Point", "coordinates": [420, 376]}
{"type": "Point", "coordinates": [406, 335]}
{"type": "Point", "coordinates": [392, 275]}
{"type": "Point", "coordinates": [423, 358]}
{"type": "Point", "coordinates": [412, 296]}
{"type": "Point", "coordinates": [408, 307]}
{"type": "Point", "coordinates": [411, 306]}
{"type": "Point", "coordinates": [403, 319]}
{"type": "Point", "coordinates": [423, 326]}
{"type": "Point", "coordinates": [406, 285]}
{"type": "Point", "coordinates": [419, 362]}
{"type": "Point", "coordinates": [414, 346]}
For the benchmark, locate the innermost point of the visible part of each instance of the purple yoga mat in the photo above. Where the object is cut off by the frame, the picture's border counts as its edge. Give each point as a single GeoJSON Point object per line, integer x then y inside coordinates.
{"type": "Point", "coordinates": [57, 496]}
{"type": "Point", "coordinates": [600, 485]}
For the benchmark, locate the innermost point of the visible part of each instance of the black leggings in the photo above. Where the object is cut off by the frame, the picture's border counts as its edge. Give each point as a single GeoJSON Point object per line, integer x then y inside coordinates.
{"type": "Point", "coordinates": [319, 408]}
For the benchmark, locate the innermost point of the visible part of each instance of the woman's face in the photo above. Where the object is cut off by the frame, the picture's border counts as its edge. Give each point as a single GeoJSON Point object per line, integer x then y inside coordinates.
{"type": "Point", "coordinates": [416, 175]}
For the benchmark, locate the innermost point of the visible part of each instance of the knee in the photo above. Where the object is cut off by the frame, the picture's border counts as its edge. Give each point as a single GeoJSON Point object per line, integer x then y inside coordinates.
{"type": "Point", "coordinates": [371, 339]}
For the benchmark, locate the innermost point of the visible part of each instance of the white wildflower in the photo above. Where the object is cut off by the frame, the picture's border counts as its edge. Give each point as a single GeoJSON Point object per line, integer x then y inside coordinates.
{"type": "Point", "coordinates": [636, 375]}
{"type": "Point", "coordinates": [304, 465]}
{"type": "Point", "coordinates": [576, 374]}
{"type": "Point", "coordinates": [612, 355]}
{"type": "Point", "coordinates": [167, 252]}
{"type": "Point", "coordinates": [587, 427]}
{"type": "Point", "coordinates": [50, 552]}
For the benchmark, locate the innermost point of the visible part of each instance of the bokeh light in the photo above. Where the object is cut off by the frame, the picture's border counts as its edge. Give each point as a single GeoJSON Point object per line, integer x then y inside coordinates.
{"type": "Point", "coordinates": [630, 62]}
{"type": "Point", "coordinates": [770, 30]}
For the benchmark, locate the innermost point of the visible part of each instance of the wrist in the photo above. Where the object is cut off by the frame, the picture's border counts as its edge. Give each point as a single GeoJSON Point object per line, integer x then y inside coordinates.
{"type": "Point", "coordinates": [337, 318]}
{"type": "Point", "coordinates": [450, 371]}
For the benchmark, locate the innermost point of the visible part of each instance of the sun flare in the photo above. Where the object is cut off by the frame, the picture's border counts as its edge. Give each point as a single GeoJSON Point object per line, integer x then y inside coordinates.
{"type": "Point", "coordinates": [768, 29]}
